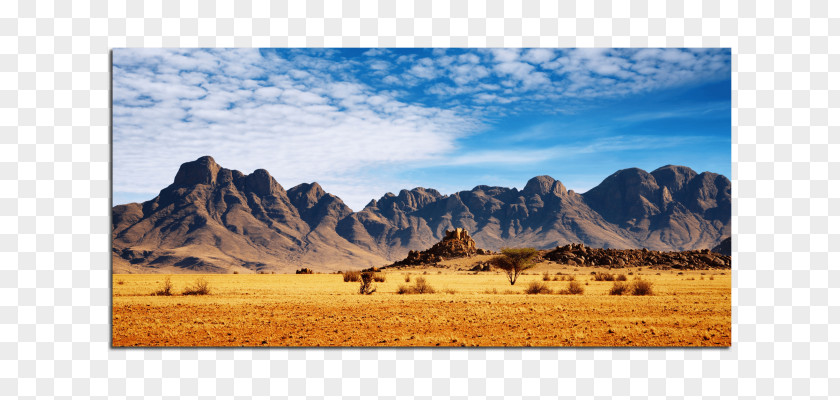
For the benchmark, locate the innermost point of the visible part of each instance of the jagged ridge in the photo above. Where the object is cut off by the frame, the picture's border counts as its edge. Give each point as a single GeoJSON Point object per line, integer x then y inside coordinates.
{"type": "Point", "coordinates": [214, 219]}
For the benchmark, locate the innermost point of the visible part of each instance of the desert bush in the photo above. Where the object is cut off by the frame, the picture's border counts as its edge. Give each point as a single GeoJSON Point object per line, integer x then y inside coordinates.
{"type": "Point", "coordinates": [407, 278]}
{"type": "Point", "coordinates": [603, 276]}
{"type": "Point", "coordinates": [378, 277]}
{"type": "Point", "coordinates": [199, 287]}
{"type": "Point", "coordinates": [166, 289]}
{"type": "Point", "coordinates": [642, 288]}
{"type": "Point", "coordinates": [236, 272]}
{"type": "Point", "coordinates": [494, 291]}
{"type": "Point", "coordinates": [537, 288]}
{"type": "Point", "coordinates": [711, 277]}
{"type": "Point", "coordinates": [351, 276]}
{"type": "Point", "coordinates": [420, 287]}
{"type": "Point", "coordinates": [546, 276]}
{"type": "Point", "coordinates": [630, 273]}
{"type": "Point", "coordinates": [120, 282]}
{"type": "Point", "coordinates": [621, 277]}
{"type": "Point", "coordinates": [574, 287]}
{"type": "Point", "coordinates": [301, 271]}
{"type": "Point", "coordinates": [366, 283]}
{"type": "Point", "coordinates": [556, 278]}
{"type": "Point", "coordinates": [619, 288]}
{"type": "Point", "coordinates": [515, 261]}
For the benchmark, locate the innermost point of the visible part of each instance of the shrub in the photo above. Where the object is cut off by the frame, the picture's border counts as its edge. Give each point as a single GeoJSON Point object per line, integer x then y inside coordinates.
{"type": "Point", "coordinates": [166, 289]}
{"type": "Point", "coordinates": [236, 272]}
{"type": "Point", "coordinates": [621, 277]}
{"type": "Point", "coordinates": [301, 271]}
{"type": "Point", "coordinates": [619, 288]}
{"type": "Point", "coordinates": [711, 277]}
{"type": "Point", "coordinates": [404, 289]}
{"type": "Point", "coordinates": [603, 276]}
{"type": "Point", "coordinates": [537, 288]}
{"type": "Point", "coordinates": [379, 277]}
{"type": "Point", "coordinates": [351, 276]}
{"type": "Point", "coordinates": [574, 287]}
{"type": "Point", "coordinates": [407, 278]}
{"type": "Point", "coordinates": [546, 276]}
{"type": "Point", "coordinates": [420, 287]}
{"type": "Point", "coordinates": [120, 282]}
{"type": "Point", "coordinates": [366, 283]}
{"type": "Point", "coordinates": [642, 288]}
{"type": "Point", "coordinates": [199, 287]}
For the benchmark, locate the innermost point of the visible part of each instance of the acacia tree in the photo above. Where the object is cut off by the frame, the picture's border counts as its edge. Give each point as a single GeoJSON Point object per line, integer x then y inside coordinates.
{"type": "Point", "coordinates": [514, 261]}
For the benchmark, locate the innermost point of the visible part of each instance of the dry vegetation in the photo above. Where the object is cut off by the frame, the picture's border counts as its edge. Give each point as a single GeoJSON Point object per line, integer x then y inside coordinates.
{"type": "Point", "coordinates": [466, 309]}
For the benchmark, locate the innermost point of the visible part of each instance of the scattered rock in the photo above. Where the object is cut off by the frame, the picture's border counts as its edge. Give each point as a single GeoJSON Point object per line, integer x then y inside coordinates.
{"type": "Point", "coordinates": [578, 254]}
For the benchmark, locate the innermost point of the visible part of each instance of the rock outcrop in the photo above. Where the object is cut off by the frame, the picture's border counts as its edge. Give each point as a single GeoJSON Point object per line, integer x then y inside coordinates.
{"type": "Point", "coordinates": [578, 254]}
{"type": "Point", "coordinates": [456, 244]}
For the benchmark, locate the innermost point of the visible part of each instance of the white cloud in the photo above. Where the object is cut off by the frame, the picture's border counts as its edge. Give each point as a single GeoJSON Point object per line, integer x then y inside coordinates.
{"type": "Point", "coordinates": [538, 56]}
{"type": "Point", "coordinates": [304, 126]}
{"type": "Point", "coordinates": [307, 116]}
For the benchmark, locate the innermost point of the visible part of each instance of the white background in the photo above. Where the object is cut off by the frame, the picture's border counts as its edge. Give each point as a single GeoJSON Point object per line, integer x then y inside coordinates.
{"type": "Point", "coordinates": [54, 200]}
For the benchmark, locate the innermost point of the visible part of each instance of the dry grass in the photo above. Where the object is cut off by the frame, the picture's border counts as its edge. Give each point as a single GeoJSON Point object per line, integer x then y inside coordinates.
{"type": "Point", "coordinates": [165, 289]}
{"type": "Point", "coordinates": [199, 288]}
{"type": "Point", "coordinates": [537, 288]}
{"type": "Point", "coordinates": [619, 288]}
{"type": "Point", "coordinates": [602, 276]}
{"type": "Point", "coordinates": [351, 276]}
{"type": "Point", "coordinates": [574, 288]}
{"type": "Point", "coordinates": [420, 287]}
{"type": "Point", "coordinates": [470, 310]}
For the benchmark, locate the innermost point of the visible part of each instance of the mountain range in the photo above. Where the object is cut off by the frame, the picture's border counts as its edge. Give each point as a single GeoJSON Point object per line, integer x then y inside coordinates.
{"type": "Point", "coordinates": [213, 219]}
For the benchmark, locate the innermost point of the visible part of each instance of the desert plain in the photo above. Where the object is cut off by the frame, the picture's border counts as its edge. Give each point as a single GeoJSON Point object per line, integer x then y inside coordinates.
{"type": "Point", "coordinates": [690, 308]}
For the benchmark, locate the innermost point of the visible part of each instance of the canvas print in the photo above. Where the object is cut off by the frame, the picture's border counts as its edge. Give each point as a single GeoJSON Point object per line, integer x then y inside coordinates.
{"type": "Point", "coordinates": [421, 197]}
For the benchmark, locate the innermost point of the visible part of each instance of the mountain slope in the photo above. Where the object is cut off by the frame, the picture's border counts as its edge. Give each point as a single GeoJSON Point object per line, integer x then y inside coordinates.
{"type": "Point", "coordinates": [212, 219]}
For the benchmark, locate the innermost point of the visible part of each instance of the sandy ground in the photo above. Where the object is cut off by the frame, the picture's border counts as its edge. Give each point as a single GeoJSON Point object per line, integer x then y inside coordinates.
{"type": "Point", "coordinates": [692, 308]}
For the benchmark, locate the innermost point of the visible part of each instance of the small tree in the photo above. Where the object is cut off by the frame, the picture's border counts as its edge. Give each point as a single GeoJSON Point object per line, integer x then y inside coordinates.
{"type": "Point", "coordinates": [366, 283]}
{"type": "Point", "coordinates": [514, 261]}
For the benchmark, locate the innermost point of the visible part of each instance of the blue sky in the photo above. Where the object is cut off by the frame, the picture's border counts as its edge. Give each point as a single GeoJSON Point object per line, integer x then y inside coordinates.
{"type": "Point", "coordinates": [363, 122]}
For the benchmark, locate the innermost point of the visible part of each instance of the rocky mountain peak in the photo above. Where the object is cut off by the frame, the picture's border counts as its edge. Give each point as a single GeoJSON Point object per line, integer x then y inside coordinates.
{"type": "Point", "coordinates": [262, 183]}
{"type": "Point", "coordinates": [541, 185]}
{"type": "Point", "coordinates": [308, 193]}
{"type": "Point", "coordinates": [674, 177]}
{"type": "Point", "coordinates": [201, 171]}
